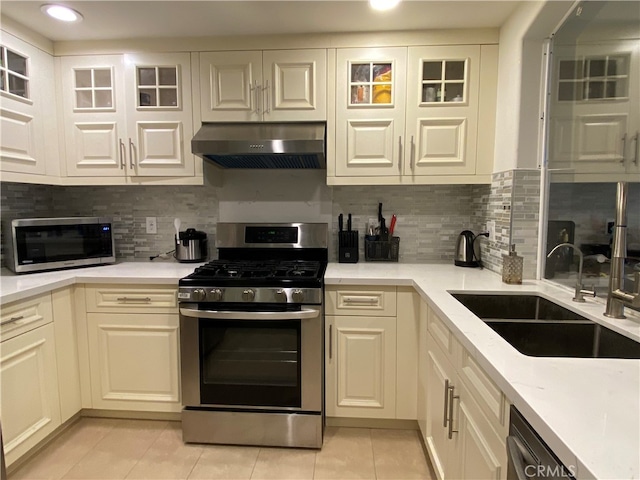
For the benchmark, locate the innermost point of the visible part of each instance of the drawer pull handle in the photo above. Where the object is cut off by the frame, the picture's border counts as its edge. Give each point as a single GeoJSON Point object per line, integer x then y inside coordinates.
{"type": "Point", "coordinates": [12, 320]}
{"type": "Point", "coordinates": [452, 397]}
{"type": "Point", "coordinates": [134, 300]}
{"type": "Point", "coordinates": [361, 300]}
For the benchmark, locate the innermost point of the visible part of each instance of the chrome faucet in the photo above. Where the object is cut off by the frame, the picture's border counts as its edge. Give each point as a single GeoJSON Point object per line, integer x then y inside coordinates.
{"type": "Point", "coordinates": [578, 297]}
{"type": "Point", "coordinates": [618, 297]}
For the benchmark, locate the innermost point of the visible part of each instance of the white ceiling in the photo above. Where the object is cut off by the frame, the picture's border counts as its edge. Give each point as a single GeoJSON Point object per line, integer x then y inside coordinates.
{"type": "Point", "coordinates": [151, 19]}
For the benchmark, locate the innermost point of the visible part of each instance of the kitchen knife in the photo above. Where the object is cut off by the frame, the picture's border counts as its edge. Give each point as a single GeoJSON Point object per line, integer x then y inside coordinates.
{"type": "Point", "coordinates": [340, 222]}
{"type": "Point", "coordinates": [380, 212]}
{"type": "Point", "coordinates": [349, 223]}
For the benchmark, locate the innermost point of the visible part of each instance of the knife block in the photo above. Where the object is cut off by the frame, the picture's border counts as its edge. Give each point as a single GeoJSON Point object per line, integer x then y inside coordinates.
{"type": "Point", "coordinates": [348, 247]}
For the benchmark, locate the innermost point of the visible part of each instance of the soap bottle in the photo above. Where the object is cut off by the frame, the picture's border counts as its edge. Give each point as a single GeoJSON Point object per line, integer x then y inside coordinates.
{"type": "Point", "coordinates": [512, 267]}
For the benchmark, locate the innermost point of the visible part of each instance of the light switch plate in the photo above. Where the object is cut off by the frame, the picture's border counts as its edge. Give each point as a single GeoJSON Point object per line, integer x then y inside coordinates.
{"type": "Point", "coordinates": [491, 228]}
{"type": "Point", "coordinates": [152, 226]}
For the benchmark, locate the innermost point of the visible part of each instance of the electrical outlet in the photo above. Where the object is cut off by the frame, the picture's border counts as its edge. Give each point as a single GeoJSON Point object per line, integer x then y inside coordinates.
{"type": "Point", "coordinates": [152, 226]}
{"type": "Point", "coordinates": [609, 226]}
{"type": "Point", "coordinates": [491, 228]}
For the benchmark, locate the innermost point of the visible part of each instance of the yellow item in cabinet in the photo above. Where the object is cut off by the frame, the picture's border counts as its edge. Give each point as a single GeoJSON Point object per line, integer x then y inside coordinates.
{"type": "Point", "coordinates": [382, 93]}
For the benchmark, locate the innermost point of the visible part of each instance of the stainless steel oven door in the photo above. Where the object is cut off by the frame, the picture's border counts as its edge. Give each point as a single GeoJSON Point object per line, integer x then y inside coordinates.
{"type": "Point", "coordinates": [268, 359]}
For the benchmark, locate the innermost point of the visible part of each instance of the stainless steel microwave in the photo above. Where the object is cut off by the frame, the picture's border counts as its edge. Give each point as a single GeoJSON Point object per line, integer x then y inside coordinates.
{"type": "Point", "coordinates": [37, 244]}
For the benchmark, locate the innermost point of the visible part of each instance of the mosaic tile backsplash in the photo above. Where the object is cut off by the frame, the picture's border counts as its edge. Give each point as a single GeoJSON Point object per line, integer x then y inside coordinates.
{"type": "Point", "coordinates": [429, 217]}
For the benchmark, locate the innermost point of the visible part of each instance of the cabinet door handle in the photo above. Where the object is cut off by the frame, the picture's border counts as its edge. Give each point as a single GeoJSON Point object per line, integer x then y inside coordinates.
{"type": "Point", "coordinates": [268, 90]}
{"type": "Point", "coordinates": [636, 153]}
{"type": "Point", "coordinates": [123, 154]}
{"type": "Point", "coordinates": [452, 397]}
{"type": "Point", "coordinates": [330, 342]}
{"type": "Point", "coordinates": [12, 320]}
{"type": "Point", "coordinates": [412, 153]}
{"type": "Point", "coordinates": [446, 403]}
{"type": "Point", "coordinates": [134, 299]}
{"type": "Point", "coordinates": [132, 149]}
{"type": "Point", "coordinates": [400, 154]}
{"type": "Point", "coordinates": [624, 147]}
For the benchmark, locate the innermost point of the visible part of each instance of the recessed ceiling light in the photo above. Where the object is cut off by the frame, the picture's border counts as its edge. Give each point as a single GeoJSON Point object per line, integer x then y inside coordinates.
{"type": "Point", "coordinates": [383, 4]}
{"type": "Point", "coordinates": [60, 12]}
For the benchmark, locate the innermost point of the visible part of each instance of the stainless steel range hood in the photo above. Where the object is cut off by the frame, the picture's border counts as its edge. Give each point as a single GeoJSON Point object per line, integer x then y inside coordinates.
{"type": "Point", "coordinates": [262, 145]}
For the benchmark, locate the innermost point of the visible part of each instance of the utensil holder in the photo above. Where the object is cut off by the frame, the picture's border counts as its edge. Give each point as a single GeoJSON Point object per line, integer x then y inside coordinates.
{"type": "Point", "coordinates": [348, 247]}
{"type": "Point", "coordinates": [382, 250]}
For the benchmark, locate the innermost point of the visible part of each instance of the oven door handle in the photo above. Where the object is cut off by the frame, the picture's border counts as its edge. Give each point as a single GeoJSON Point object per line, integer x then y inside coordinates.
{"type": "Point", "coordinates": [232, 315]}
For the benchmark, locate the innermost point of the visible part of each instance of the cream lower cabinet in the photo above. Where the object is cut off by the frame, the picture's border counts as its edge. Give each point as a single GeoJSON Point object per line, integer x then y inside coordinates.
{"type": "Point", "coordinates": [371, 351]}
{"type": "Point", "coordinates": [132, 335]}
{"type": "Point", "coordinates": [29, 407]}
{"type": "Point", "coordinates": [465, 423]}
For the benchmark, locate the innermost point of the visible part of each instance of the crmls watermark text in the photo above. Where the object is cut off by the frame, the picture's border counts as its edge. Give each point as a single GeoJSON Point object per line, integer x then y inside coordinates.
{"type": "Point", "coordinates": [547, 471]}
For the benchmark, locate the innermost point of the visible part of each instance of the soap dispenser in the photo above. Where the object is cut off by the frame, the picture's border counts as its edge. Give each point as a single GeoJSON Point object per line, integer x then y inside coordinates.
{"type": "Point", "coordinates": [512, 267]}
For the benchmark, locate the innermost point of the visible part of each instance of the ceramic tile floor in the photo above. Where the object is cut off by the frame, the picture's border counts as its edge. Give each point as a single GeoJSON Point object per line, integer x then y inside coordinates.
{"type": "Point", "coordinates": [112, 449]}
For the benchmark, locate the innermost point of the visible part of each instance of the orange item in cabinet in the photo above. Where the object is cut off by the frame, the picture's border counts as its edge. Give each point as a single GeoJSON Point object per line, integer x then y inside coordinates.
{"type": "Point", "coordinates": [382, 93]}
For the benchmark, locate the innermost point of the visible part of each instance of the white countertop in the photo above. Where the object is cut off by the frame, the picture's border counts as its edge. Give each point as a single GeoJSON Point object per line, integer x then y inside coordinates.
{"type": "Point", "coordinates": [586, 410]}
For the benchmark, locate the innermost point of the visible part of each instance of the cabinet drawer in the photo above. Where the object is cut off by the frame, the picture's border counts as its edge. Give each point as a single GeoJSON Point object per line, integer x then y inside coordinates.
{"type": "Point", "coordinates": [489, 397]}
{"type": "Point", "coordinates": [442, 335]}
{"type": "Point", "coordinates": [24, 315]}
{"type": "Point", "coordinates": [373, 301]}
{"type": "Point", "coordinates": [148, 299]}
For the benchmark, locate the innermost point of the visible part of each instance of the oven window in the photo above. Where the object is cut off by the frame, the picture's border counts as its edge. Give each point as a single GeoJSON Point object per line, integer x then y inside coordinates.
{"type": "Point", "coordinates": [250, 363]}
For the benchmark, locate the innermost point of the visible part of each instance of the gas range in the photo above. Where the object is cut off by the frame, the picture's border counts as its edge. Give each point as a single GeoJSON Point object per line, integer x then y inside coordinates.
{"type": "Point", "coordinates": [252, 338]}
{"type": "Point", "coordinates": [259, 263]}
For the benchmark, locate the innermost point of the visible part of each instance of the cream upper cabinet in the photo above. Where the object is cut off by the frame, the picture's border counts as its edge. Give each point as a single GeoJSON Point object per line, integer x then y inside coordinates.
{"type": "Point", "coordinates": [442, 110]}
{"type": "Point", "coordinates": [415, 115]}
{"type": "Point", "coordinates": [27, 109]}
{"type": "Point", "coordinates": [270, 85]}
{"type": "Point", "coordinates": [595, 120]}
{"type": "Point", "coordinates": [370, 111]}
{"type": "Point", "coordinates": [127, 116]}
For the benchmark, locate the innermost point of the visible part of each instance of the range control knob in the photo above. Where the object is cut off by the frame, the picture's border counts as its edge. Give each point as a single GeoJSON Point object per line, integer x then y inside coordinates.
{"type": "Point", "coordinates": [281, 295]}
{"type": "Point", "coordinates": [198, 294]}
{"type": "Point", "coordinates": [298, 296]}
{"type": "Point", "coordinates": [215, 294]}
{"type": "Point", "coordinates": [248, 295]}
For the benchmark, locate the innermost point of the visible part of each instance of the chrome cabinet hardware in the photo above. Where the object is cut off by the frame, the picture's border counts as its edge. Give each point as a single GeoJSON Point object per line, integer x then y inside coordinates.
{"type": "Point", "coordinates": [132, 149]}
{"type": "Point", "coordinates": [266, 89]}
{"type": "Point", "coordinates": [636, 153]}
{"type": "Point", "coordinates": [446, 403]}
{"type": "Point", "coordinates": [134, 299]}
{"type": "Point", "coordinates": [624, 147]}
{"type": "Point", "coordinates": [452, 397]}
{"type": "Point", "coordinates": [412, 154]}
{"type": "Point", "coordinates": [400, 154]}
{"type": "Point", "coordinates": [123, 154]}
{"type": "Point", "coordinates": [12, 320]}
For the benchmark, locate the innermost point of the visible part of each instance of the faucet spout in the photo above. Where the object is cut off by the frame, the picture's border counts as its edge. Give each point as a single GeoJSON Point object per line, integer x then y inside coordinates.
{"type": "Point", "coordinates": [618, 297]}
{"type": "Point", "coordinates": [580, 292]}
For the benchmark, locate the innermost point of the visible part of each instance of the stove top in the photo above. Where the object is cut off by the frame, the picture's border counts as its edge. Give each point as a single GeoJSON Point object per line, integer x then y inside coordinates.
{"type": "Point", "coordinates": [257, 273]}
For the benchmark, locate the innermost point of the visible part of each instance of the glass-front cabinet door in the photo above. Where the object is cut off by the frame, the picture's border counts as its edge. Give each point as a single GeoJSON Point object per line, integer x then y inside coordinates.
{"type": "Point", "coordinates": [595, 119]}
{"type": "Point", "coordinates": [370, 109]}
{"type": "Point", "coordinates": [442, 110]}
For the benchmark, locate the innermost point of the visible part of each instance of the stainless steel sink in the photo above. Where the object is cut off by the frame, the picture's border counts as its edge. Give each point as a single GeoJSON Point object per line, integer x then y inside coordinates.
{"type": "Point", "coordinates": [538, 327]}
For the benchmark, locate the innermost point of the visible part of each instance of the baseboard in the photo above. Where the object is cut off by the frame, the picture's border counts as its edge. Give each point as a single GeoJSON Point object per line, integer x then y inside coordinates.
{"type": "Point", "coordinates": [130, 414]}
{"type": "Point", "coordinates": [372, 423]}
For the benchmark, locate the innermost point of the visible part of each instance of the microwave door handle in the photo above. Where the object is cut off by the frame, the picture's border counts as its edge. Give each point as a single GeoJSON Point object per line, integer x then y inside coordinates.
{"type": "Point", "coordinates": [518, 460]}
{"type": "Point", "coordinates": [305, 313]}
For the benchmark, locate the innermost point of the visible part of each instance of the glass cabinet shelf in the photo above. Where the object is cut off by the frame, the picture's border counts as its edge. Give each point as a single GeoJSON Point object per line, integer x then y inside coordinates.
{"type": "Point", "coordinates": [443, 81]}
{"type": "Point", "coordinates": [604, 77]}
{"type": "Point", "coordinates": [157, 87]}
{"type": "Point", "coordinates": [371, 83]}
{"type": "Point", "coordinates": [14, 74]}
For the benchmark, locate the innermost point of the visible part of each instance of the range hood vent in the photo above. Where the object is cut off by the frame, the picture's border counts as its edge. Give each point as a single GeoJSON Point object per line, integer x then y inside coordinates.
{"type": "Point", "coordinates": [262, 145]}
